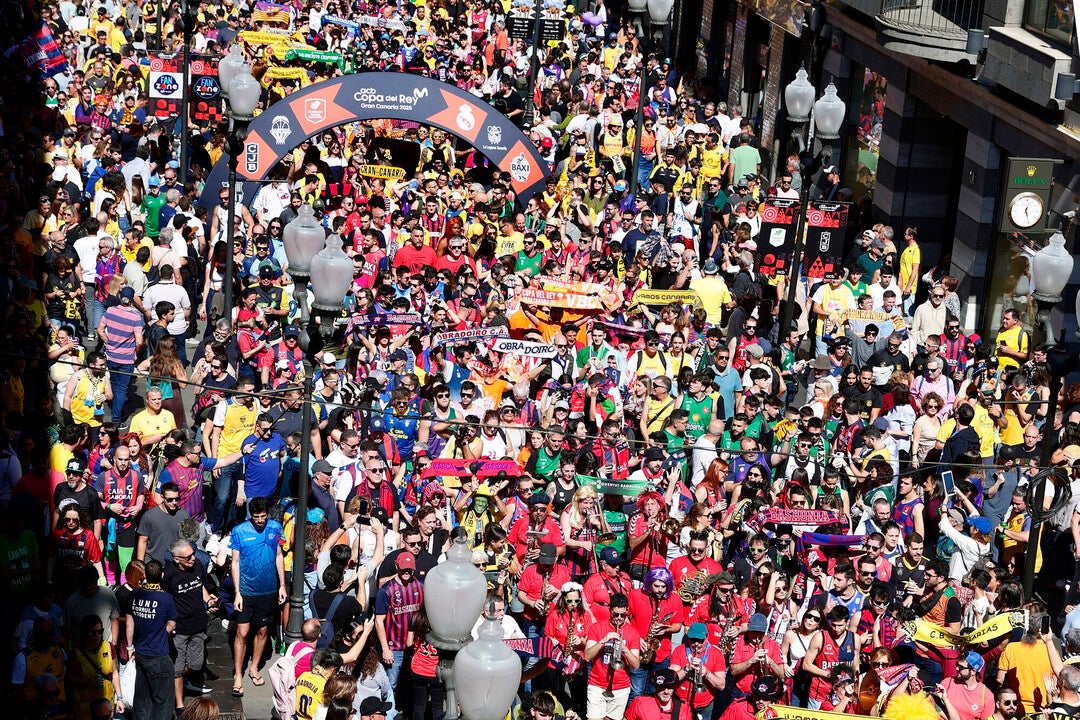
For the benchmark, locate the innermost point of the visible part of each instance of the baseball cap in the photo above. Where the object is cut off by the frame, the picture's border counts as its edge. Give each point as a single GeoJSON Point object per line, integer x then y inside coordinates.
{"type": "Point", "coordinates": [399, 354]}
{"type": "Point", "coordinates": [153, 182]}
{"type": "Point", "coordinates": [877, 244]}
{"type": "Point", "coordinates": [755, 350]}
{"type": "Point", "coordinates": [548, 554]}
{"type": "Point", "coordinates": [815, 556]}
{"type": "Point", "coordinates": [76, 466]}
{"type": "Point", "coordinates": [620, 185]}
{"type": "Point", "coordinates": [757, 623]}
{"type": "Point", "coordinates": [562, 404]}
{"type": "Point", "coordinates": [127, 293]}
{"type": "Point", "coordinates": [697, 631]}
{"type": "Point", "coordinates": [322, 466]}
{"type": "Point", "coordinates": [665, 678]}
{"type": "Point", "coordinates": [829, 170]}
{"type": "Point", "coordinates": [973, 658]}
{"type": "Point", "coordinates": [980, 524]}
{"type": "Point", "coordinates": [266, 271]}
{"type": "Point", "coordinates": [540, 498]}
{"type": "Point", "coordinates": [328, 358]}
{"type": "Point", "coordinates": [610, 555]}
{"type": "Point", "coordinates": [315, 515]}
{"type": "Point", "coordinates": [375, 705]}
{"type": "Point", "coordinates": [766, 686]}
{"type": "Point", "coordinates": [292, 331]}
{"type": "Point", "coordinates": [405, 561]}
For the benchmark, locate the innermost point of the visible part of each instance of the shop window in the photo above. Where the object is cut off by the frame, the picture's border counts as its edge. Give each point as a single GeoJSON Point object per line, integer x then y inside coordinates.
{"type": "Point", "coordinates": [1053, 18]}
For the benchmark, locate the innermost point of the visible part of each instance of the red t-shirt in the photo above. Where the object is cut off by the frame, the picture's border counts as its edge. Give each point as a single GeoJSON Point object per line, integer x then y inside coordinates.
{"type": "Point", "coordinates": [425, 660]}
{"type": "Point", "coordinates": [739, 710]}
{"type": "Point", "coordinates": [712, 660]}
{"type": "Point", "coordinates": [519, 536]}
{"type": "Point", "coordinates": [652, 552]}
{"type": "Point", "coordinates": [415, 260]}
{"type": "Point", "coordinates": [600, 669]}
{"type": "Point", "coordinates": [76, 550]}
{"type": "Point", "coordinates": [743, 651]}
{"type": "Point", "coordinates": [648, 707]}
{"type": "Point", "coordinates": [532, 583]}
{"type": "Point", "coordinates": [598, 590]}
{"type": "Point", "coordinates": [642, 607]}
{"type": "Point", "coordinates": [682, 567]}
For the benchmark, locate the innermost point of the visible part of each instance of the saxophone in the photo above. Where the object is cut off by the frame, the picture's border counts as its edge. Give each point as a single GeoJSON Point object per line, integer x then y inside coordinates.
{"type": "Point", "coordinates": [651, 642]}
{"type": "Point", "coordinates": [571, 662]}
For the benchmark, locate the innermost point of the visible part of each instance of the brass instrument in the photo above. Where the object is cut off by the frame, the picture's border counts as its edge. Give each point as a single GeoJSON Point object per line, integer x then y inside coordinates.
{"type": "Point", "coordinates": [869, 690]}
{"type": "Point", "coordinates": [571, 660]}
{"type": "Point", "coordinates": [618, 647]}
{"type": "Point", "coordinates": [726, 643]}
{"type": "Point", "coordinates": [696, 585]}
{"type": "Point", "coordinates": [651, 642]}
{"type": "Point", "coordinates": [545, 592]}
{"type": "Point", "coordinates": [606, 538]}
{"type": "Point", "coordinates": [697, 678]}
{"type": "Point", "coordinates": [670, 529]}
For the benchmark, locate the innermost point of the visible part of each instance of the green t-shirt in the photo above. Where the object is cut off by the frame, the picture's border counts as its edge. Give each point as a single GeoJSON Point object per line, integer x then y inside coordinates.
{"type": "Point", "coordinates": [532, 264]}
{"type": "Point", "coordinates": [701, 414]}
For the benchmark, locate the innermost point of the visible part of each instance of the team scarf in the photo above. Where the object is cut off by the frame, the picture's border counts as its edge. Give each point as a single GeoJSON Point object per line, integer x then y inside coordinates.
{"type": "Point", "coordinates": [832, 540]}
{"type": "Point", "coordinates": [454, 337]}
{"type": "Point", "coordinates": [791, 516]}
{"type": "Point", "coordinates": [462, 467]}
{"type": "Point", "coordinates": [997, 626]}
{"type": "Point", "coordinates": [565, 300]}
{"type": "Point", "coordinates": [580, 288]}
{"type": "Point", "coordinates": [408, 319]}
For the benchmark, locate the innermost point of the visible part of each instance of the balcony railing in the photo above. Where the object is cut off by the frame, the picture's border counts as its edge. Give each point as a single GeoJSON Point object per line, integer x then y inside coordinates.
{"type": "Point", "coordinates": [934, 29]}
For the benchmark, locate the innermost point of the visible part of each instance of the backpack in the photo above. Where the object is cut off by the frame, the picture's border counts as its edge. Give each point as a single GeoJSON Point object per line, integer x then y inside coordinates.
{"type": "Point", "coordinates": [283, 681]}
{"type": "Point", "coordinates": [327, 632]}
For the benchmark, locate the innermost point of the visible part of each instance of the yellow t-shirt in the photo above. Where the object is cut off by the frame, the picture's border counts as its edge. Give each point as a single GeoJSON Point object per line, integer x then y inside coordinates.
{"type": "Point", "coordinates": [714, 295]}
{"type": "Point", "coordinates": [982, 424]}
{"type": "Point", "coordinates": [1025, 667]}
{"type": "Point", "coordinates": [909, 258]}
{"type": "Point", "coordinates": [1015, 338]}
{"type": "Point", "coordinates": [309, 694]}
{"type": "Point", "coordinates": [239, 422]}
{"type": "Point", "coordinates": [144, 424]}
{"type": "Point", "coordinates": [59, 457]}
{"type": "Point", "coordinates": [835, 302]}
{"type": "Point", "coordinates": [86, 391]}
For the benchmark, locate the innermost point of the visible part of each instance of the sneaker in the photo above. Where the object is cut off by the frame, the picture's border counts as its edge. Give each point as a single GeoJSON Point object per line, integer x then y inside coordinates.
{"type": "Point", "coordinates": [196, 689]}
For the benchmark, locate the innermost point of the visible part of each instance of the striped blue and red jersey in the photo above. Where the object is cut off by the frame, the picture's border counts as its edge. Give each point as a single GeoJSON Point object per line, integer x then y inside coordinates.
{"type": "Point", "coordinates": [121, 323]}
{"type": "Point", "coordinates": [190, 482]}
{"type": "Point", "coordinates": [397, 603]}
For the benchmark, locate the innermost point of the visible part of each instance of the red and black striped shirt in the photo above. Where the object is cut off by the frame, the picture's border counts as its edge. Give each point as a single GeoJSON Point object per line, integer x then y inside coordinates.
{"type": "Point", "coordinates": [397, 603]}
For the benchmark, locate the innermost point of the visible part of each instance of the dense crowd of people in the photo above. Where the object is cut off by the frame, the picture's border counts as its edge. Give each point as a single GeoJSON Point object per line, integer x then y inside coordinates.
{"type": "Point", "coordinates": [682, 508]}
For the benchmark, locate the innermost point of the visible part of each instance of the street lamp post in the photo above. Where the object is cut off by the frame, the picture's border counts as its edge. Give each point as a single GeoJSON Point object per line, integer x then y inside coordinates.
{"type": "Point", "coordinates": [534, 66]}
{"type": "Point", "coordinates": [1050, 271]}
{"type": "Point", "coordinates": [481, 675]}
{"type": "Point", "coordinates": [825, 117]}
{"type": "Point", "coordinates": [331, 274]}
{"type": "Point", "coordinates": [241, 92]}
{"type": "Point", "coordinates": [659, 12]}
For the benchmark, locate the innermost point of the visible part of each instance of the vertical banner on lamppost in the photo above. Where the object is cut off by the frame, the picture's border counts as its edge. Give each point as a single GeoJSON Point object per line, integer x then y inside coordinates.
{"type": "Point", "coordinates": [205, 91]}
{"type": "Point", "coordinates": [776, 241]}
{"type": "Point", "coordinates": [166, 81]}
{"type": "Point", "coordinates": [826, 223]}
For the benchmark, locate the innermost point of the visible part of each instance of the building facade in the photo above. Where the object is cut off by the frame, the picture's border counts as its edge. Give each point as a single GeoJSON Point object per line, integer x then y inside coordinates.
{"type": "Point", "coordinates": [941, 95]}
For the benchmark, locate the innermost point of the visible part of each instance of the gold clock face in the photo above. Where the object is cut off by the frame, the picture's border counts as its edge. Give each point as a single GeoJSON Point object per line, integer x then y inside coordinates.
{"type": "Point", "coordinates": [1026, 210]}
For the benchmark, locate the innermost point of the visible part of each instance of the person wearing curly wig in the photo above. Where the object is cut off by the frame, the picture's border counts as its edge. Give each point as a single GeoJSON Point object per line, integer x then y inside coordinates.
{"type": "Point", "coordinates": [654, 607]}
